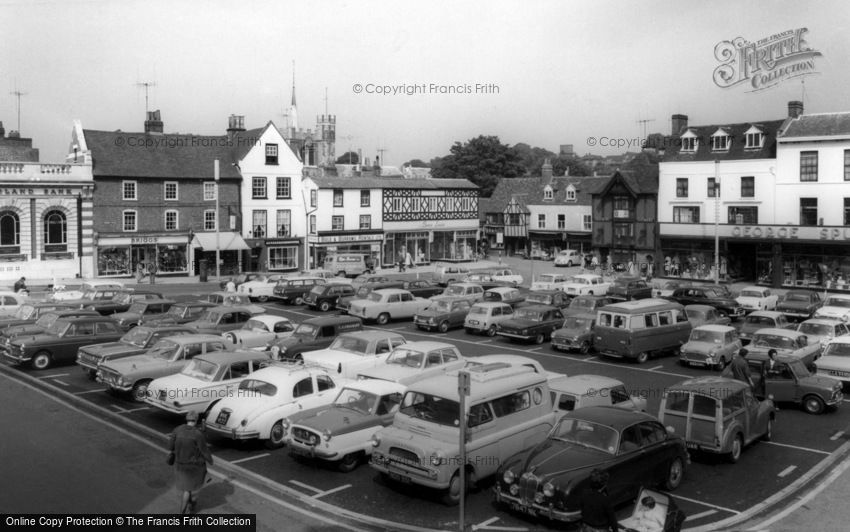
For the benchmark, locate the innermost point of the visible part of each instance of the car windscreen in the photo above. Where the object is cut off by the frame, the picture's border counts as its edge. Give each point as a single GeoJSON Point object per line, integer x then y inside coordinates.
{"type": "Point", "coordinates": [581, 302]}
{"type": "Point", "coordinates": [837, 302]}
{"type": "Point", "coordinates": [772, 340]}
{"type": "Point", "coordinates": [454, 290]}
{"type": "Point", "coordinates": [586, 434]}
{"type": "Point", "coordinates": [751, 293]}
{"type": "Point", "coordinates": [47, 320]}
{"type": "Point", "coordinates": [358, 400]}
{"type": "Point", "coordinates": [430, 408]}
{"type": "Point", "coordinates": [25, 312]}
{"type": "Point", "coordinates": [797, 297]}
{"type": "Point", "coordinates": [258, 387]}
{"type": "Point", "coordinates": [525, 314]}
{"type": "Point", "coordinates": [578, 280]}
{"type": "Point", "coordinates": [546, 278]}
{"type": "Point", "coordinates": [137, 308]}
{"type": "Point", "coordinates": [577, 323]}
{"type": "Point", "coordinates": [799, 369]}
{"type": "Point", "coordinates": [306, 329]}
{"type": "Point", "coordinates": [352, 344]}
{"type": "Point", "coordinates": [441, 306]}
{"type": "Point", "coordinates": [163, 349]}
{"type": "Point", "coordinates": [58, 327]}
{"type": "Point", "coordinates": [255, 324]}
{"type": "Point", "coordinates": [542, 299]}
{"type": "Point", "coordinates": [818, 329]}
{"type": "Point", "coordinates": [406, 357]}
{"type": "Point", "coordinates": [477, 310]}
{"type": "Point", "coordinates": [137, 336]}
{"type": "Point", "coordinates": [837, 350]}
{"type": "Point", "coordinates": [698, 335]}
{"type": "Point", "coordinates": [374, 296]}
{"type": "Point", "coordinates": [201, 369]}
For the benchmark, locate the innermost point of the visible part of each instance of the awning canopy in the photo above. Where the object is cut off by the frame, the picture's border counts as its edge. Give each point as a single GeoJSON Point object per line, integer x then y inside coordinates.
{"type": "Point", "coordinates": [227, 241]}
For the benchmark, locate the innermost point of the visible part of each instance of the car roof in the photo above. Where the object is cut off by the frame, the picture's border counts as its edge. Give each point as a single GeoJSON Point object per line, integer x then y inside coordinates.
{"type": "Point", "coordinates": [328, 320]}
{"type": "Point", "coordinates": [376, 386]}
{"type": "Point", "coordinates": [243, 355]}
{"type": "Point", "coordinates": [822, 321]}
{"type": "Point", "coordinates": [392, 291]}
{"type": "Point", "coordinates": [502, 289]}
{"type": "Point", "coordinates": [462, 283]}
{"type": "Point", "coordinates": [301, 278]}
{"type": "Point", "coordinates": [712, 385]}
{"type": "Point", "coordinates": [426, 345]}
{"type": "Point", "coordinates": [236, 308]}
{"type": "Point", "coordinates": [154, 300]}
{"type": "Point", "coordinates": [191, 338]}
{"type": "Point", "coordinates": [611, 416]}
{"type": "Point", "coordinates": [699, 307]}
{"type": "Point", "coordinates": [780, 332]}
{"type": "Point", "coordinates": [584, 315]}
{"type": "Point", "coordinates": [767, 313]}
{"type": "Point", "coordinates": [165, 327]}
{"type": "Point", "coordinates": [547, 292]}
{"type": "Point", "coordinates": [540, 308]}
{"type": "Point", "coordinates": [501, 378]}
{"type": "Point", "coordinates": [486, 304]}
{"type": "Point", "coordinates": [755, 287]}
{"type": "Point", "coordinates": [838, 296]}
{"type": "Point", "coordinates": [587, 276]}
{"type": "Point", "coordinates": [269, 319]}
{"type": "Point", "coordinates": [641, 304]}
{"type": "Point", "coordinates": [78, 319]}
{"type": "Point", "coordinates": [582, 384]}
{"type": "Point", "coordinates": [370, 334]}
{"type": "Point", "coordinates": [715, 328]}
{"type": "Point", "coordinates": [208, 304]}
{"type": "Point", "coordinates": [284, 371]}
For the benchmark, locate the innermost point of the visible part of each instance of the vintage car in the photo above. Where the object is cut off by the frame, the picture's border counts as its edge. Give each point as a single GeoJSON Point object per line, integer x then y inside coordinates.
{"type": "Point", "coordinates": [295, 289]}
{"type": "Point", "coordinates": [326, 296]}
{"type": "Point", "coordinates": [799, 304]}
{"type": "Point", "coordinates": [581, 391]}
{"type": "Point", "coordinates": [568, 257]}
{"type": "Point", "coordinates": [446, 274]}
{"type": "Point", "coordinates": [342, 431]}
{"type": "Point", "coordinates": [41, 324]}
{"type": "Point", "coordinates": [550, 281]}
{"type": "Point", "coordinates": [121, 301]}
{"type": "Point", "coordinates": [167, 357]}
{"type": "Point", "coordinates": [90, 290]}
{"type": "Point", "coordinates": [539, 254]}
{"type": "Point", "coordinates": [835, 360]}
{"type": "Point", "coordinates": [442, 314]}
{"type": "Point", "coordinates": [485, 317]}
{"type": "Point", "coordinates": [790, 381]}
{"type": "Point", "coordinates": [205, 380]}
{"type": "Point", "coordinates": [710, 346]}
{"type": "Point", "coordinates": [233, 299]}
{"type": "Point", "coordinates": [10, 302]}
{"type": "Point", "coordinates": [504, 294]}
{"type": "Point", "coordinates": [422, 288]}
{"type": "Point", "coordinates": [387, 304]}
{"type": "Point", "coordinates": [262, 287]}
{"type": "Point", "coordinates": [351, 353]}
{"type": "Point", "coordinates": [708, 295]}
{"type": "Point", "coordinates": [486, 280]}
{"type": "Point", "coordinates": [414, 361]}
{"type": "Point", "coordinates": [664, 289]}
{"type": "Point", "coordinates": [587, 304]}
{"type": "Point", "coordinates": [757, 298]}
{"type": "Point", "coordinates": [59, 342]}
{"type": "Point", "coordinates": [327, 275]}
{"type": "Point", "coordinates": [369, 278]}
{"type": "Point", "coordinates": [223, 318]}
{"type": "Point", "coordinates": [717, 415]}
{"type": "Point", "coordinates": [786, 342]}
{"type": "Point", "coordinates": [145, 307]}
{"type": "Point", "coordinates": [819, 330]}
{"type": "Point", "coordinates": [179, 313]}
{"type": "Point", "coordinates": [515, 360]}
{"type": "Point", "coordinates": [134, 342]}
{"type": "Point", "coordinates": [534, 323]}
{"type": "Point", "coordinates": [835, 306]}
{"type": "Point", "coordinates": [265, 399]}
{"type": "Point", "coordinates": [470, 291]}
{"type": "Point", "coordinates": [312, 334]}
{"type": "Point", "coordinates": [30, 312]}
{"type": "Point", "coordinates": [240, 278]}
{"type": "Point", "coordinates": [575, 334]}
{"type": "Point", "coordinates": [762, 319]}
{"type": "Point", "coordinates": [548, 479]}
{"type": "Point", "coordinates": [553, 298]}
{"type": "Point", "coordinates": [259, 331]}
{"type": "Point", "coordinates": [586, 284]}
{"type": "Point", "coordinates": [706, 315]}
{"type": "Point", "coordinates": [627, 288]}
{"type": "Point", "coordinates": [506, 275]}
{"type": "Point", "coordinates": [363, 292]}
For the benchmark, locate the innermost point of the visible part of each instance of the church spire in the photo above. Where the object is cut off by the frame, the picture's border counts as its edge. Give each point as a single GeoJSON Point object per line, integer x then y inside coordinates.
{"type": "Point", "coordinates": [293, 113]}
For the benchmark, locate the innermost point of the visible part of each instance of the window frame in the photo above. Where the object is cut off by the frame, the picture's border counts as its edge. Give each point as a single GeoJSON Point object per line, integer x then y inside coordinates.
{"type": "Point", "coordinates": [338, 194]}
{"type": "Point", "coordinates": [750, 137]}
{"type": "Point", "coordinates": [562, 221]}
{"type": "Point", "coordinates": [210, 217]}
{"type": "Point", "coordinates": [209, 190]}
{"type": "Point", "coordinates": [587, 222]}
{"type": "Point", "coordinates": [312, 228]}
{"type": "Point", "coordinates": [16, 228]}
{"type": "Point", "coordinates": [681, 187]}
{"type": "Point", "coordinates": [46, 228]}
{"type": "Point", "coordinates": [124, 226]}
{"type": "Point", "coordinates": [314, 197]}
{"type": "Point", "coordinates": [165, 186]}
{"type": "Point", "coordinates": [711, 187]}
{"type": "Point", "coordinates": [283, 183]}
{"type": "Point", "coordinates": [747, 220]}
{"type": "Point", "coordinates": [541, 221]}
{"type": "Point", "coordinates": [809, 166]}
{"type": "Point", "coordinates": [255, 187]}
{"type": "Point", "coordinates": [125, 188]}
{"type": "Point", "coordinates": [571, 193]}
{"type": "Point", "coordinates": [260, 219]}
{"type": "Point", "coordinates": [337, 223]}
{"type": "Point", "coordinates": [748, 186]}
{"type": "Point", "coordinates": [694, 213]}
{"type": "Point", "coordinates": [548, 194]}
{"type": "Point", "coordinates": [272, 158]}
{"type": "Point", "coordinates": [810, 208]}
{"type": "Point", "coordinates": [368, 219]}
{"type": "Point", "coordinates": [176, 214]}
{"type": "Point", "coordinates": [365, 194]}
{"type": "Point", "coordinates": [287, 215]}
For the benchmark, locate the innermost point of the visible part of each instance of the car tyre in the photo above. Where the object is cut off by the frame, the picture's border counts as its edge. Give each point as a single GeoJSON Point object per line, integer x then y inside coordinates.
{"type": "Point", "coordinates": [768, 433]}
{"type": "Point", "coordinates": [720, 364]}
{"type": "Point", "coordinates": [299, 300]}
{"type": "Point", "coordinates": [539, 339]}
{"type": "Point", "coordinates": [737, 447]}
{"type": "Point", "coordinates": [569, 264]}
{"type": "Point", "coordinates": [41, 360]}
{"type": "Point", "coordinates": [675, 473]}
{"type": "Point", "coordinates": [383, 318]}
{"type": "Point", "coordinates": [813, 404]}
{"type": "Point", "coordinates": [451, 497]}
{"type": "Point", "coordinates": [140, 390]}
{"type": "Point", "coordinates": [642, 357]}
{"type": "Point", "coordinates": [349, 462]}
{"type": "Point", "coordinates": [262, 299]}
{"type": "Point", "coordinates": [340, 273]}
{"type": "Point", "coordinates": [585, 348]}
{"type": "Point", "coordinates": [324, 306]}
{"type": "Point", "coordinates": [276, 435]}
{"type": "Point", "coordinates": [443, 327]}
{"type": "Point", "coordinates": [491, 331]}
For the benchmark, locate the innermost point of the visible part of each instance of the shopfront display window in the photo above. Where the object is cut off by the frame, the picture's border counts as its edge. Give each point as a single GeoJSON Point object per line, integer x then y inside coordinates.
{"type": "Point", "coordinates": [283, 258]}
{"type": "Point", "coordinates": [113, 261]}
{"type": "Point", "coordinates": [453, 245]}
{"type": "Point", "coordinates": [415, 243]}
{"type": "Point", "coordinates": [172, 258]}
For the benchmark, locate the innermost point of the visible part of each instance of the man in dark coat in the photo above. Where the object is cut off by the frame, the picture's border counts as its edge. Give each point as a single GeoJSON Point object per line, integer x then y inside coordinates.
{"type": "Point", "coordinates": [739, 369]}
{"type": "Point", "coordinates": [597, 511]}
{"type": "Point", "coordinates": [191, 455]}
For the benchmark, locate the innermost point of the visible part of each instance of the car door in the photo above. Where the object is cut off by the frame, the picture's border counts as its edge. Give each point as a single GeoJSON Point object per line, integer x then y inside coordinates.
{"type": "Point", "coordinates": [458, 313]}
{"type": "Point", "coordinates": [627, 470]}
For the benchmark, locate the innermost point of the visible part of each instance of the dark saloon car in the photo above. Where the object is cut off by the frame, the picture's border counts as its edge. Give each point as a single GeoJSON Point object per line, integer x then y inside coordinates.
{"type": "Point", "coordinates": [41, 324]}
{"type": "Point", "coordinates": [535, 323]}
{"type": "Point", "coordinates": [442, 314]}
{"type": "Point", "coordinates": [60, 342]}
{"type": "Point", "coordinates": [29, 313]}
{"type": "Point", "coordinates": [312, 334]}
{"type": "Point", "coordinates": [630, 288]}
{"type": "Point", "coordinates": [635, 450]}
{"type": "Point", "coordinates": [708, 295]}
{"type": "Point", "coordinates": [799, 304]}
{"type": "Point", "coordinates": [553, 298]}
{"type": "Point", "coordinates": [134, 342]}
{"type": "Point", "coordinates": [179, 314]}
{"type": "Point", "coordinates": [423, 288]}
{"type": "Point", "coordinates": [222, 319]}
{"type": "Point", "coordinates": [121, 301]}
{"type": "Point", "coordinates": [138, 310]}
{"type": "Point", "coordinates": [326, 296]}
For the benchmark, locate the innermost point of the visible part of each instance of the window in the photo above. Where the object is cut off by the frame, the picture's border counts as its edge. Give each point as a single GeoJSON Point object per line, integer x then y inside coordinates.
{"type": "Point", "coordinates": [622, 207]}
{"type": "Point", "coordinates": [748, 186]}
{"type": "Point", "coordinates": [514, 219]}
{"type": "Point", "coordinates": [846, 165]}
{"type": "Point", "coordinates": [129, 190]}
{"type": "Point", "coordinates": [808, 166]}
{"type": "Point", "coordinates": [541, 221]}
{"type": "Point", "coordinates": [171, 219]}
{"type": "Point", "coordinates": [284, 188]}
{"type": "Point", "coordinates": [313, 197]}
{"type": "Point", "coordinates": [571, 193]}
{"type": "Point", "coordinates": [304, 387]}
{"type": "Point", "coordinates": [846, 211]}
{"type": "Point", "coordinates": [509, 404]}
{"type": "Point", "coordinates": [548, 194]}
{"type": "Point", "coordinates": [689, 144]}
{"type": "Point", "coordinates": [312, 224]}
{"type": "Point", "coordinates": [365, 198]}
{"type": "Point", "coordinates": [55, 230]}
{"type": "Point", "coordinates": [337, 223]}
{"type": "Point", "coordinates": [258, 188]}
{"type": "Point", "coordinates": [259, 222]}
{"type": "Point", "coordinates": [686, 215]}
{"type": "Point", "coordinates": [209, 191]}
{"type": "Point", "coordinates": [808, 211]}
{"type": "Point", "coordinates": [562, 221]}
{"type": "Point", "coordinates": [209, 220]}
{"type": "Point", "coordinates": [170, 191]}
{"type": "Point", "coordinates": [10, 229]}
{"type": "Point", "coordinates": [129, 220]}
{"type": "Point", "coordinates": [743, 215]}
{"type": "Point", "coordinates": [720, 142]}
{"type": "Point", "coordinates": [622, 230]}
{"type": "Point", "coordinates": [753, 140]}
{"type": "Point", "coordinates": [337, 197]}
{"type": "Point", "coordinates": [681, 187]}
{"type": "Point", "coordinates": [712, 187]}
{"type": "Point", "coordinates": [587, 222]}
{"type": "Point", "coordinates": [271, 153]}
{"type": "Point", "coordinates": [284, 222]}
{"type": "Point", "coordinates": [283, 258]}
{"type": "Point", "coordinates": [478, 415]}
{"type": "Point", "coordinates": [365, 221]}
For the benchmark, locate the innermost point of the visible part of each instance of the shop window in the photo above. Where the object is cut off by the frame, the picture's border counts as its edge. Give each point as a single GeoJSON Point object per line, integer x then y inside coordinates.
{"type": "Point", "coordinates": [129, 190]}
{"type": "Point", "coordinates": [283, 258]}
{"type": "Point", "coordinates": [283, 188]}
{"type": "Point", "coordinates": [365, 198]}
{"type": "Point", "coordinates": [681, 187]}
{"type": "Point", "coordinates": [338, 197]}
{"type": "Point", "coordinates": [113, 261]}
{"type": "Point", "coordinates": [171, 219]}
{"type": "Point", "coordinates": [748, 187]}
{"type": "Point", "coordinates": [808, 211]}
{"type": "Point", "coordinates": [338, 223]}
{"type": "Point", "coordinates": [314, 197]}
{"type": "Point", "coordinates": [129, 221]}
{"type": "Point", "coordinates": [713, 188]}
{"type": "Point", "coordinates": [170, 191]}
{"type": "Point", "coordinates": [284, 222]}
{"type": "Point", "coordinates": [587, 222]}
{"type": "Point", "coordinates": [259, 223]}
{"type": "Point", "coordinates": [172, 258]}
{"type": "Point", "coordinates": [562, 221]}
{"type": "Point", "coordinates": [312, 224]}
{"type": "Point", "coordinates": [808, 166]}
{"type": "Point", "coordinates": [271, 153]}
{"type": "Point", "coordinates": [209, 220]}
{"type": "Point", "coordinates": [686, 215]}
{"type": "Point", "coordinates": [258, 188]}
{"type": "Point", "coordinates": [743, 215]}
{"type": "Point", "coordinates": [365, 221]}
{"type": "Point", "coordinates": [10, 231]}
{"type": "Point", "coordinates": [541, 221]}
{"type": "Point", "coordinates": [846, 211]}
{"type": "Point", "coordinates": [209, 191]}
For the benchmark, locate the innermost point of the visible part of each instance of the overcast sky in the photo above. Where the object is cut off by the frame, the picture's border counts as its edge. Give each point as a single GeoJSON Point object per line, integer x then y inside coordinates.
{"type": "Point", "coordinates": [563, 71]}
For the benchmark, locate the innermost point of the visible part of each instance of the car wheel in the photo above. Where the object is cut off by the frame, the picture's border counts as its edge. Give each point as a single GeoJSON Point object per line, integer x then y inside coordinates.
{"type": "Point", "coordinates": [262, 299]}
{"type": "Point", "coordinates": [383, 318]}
{"type": "Point", "coordinates": [720, 364]}
{"type": "Point", "coordinates": [41, 360]}
{"type": "Point", "coordinates": [737, 446]}
{"type": "Point", "coordinates": [340, 273]}
{"type": "Point", "coordinates": [642, 357]}
{"type": "Point", "coordinates": [451, 497]}
{"type": "Point", "coordinates": [276, 435]}
{"type": "Point", "coordinates": [584, 348]}
{"type": "Point", "coordinates": [675, 472]}
{"type": "Point", "coordinates": [324, 306]}
{"type": "Point", "coordinates": [569, 264]}
{"type": "Point", "coordinates": [349, 462]}
{"type": "Point", "coordinates": [813, 404]}
{"type": "Point", "coordinates": [299, 300]}
{"type": "Point", "coordinates": [140, 391]}
{"type": "Point", "coordinates": [491, 331]}
{"type": "Point", "coordinates": [443, 326]}
{"type": "Point", "coordinates": [539, 339]}
{"type": "Point", "coordinates": [768, 433]}
{"type": "Point", "coordinates": [450, 281]}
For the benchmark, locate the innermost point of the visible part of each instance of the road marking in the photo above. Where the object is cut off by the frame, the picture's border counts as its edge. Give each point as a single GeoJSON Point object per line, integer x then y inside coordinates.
{"type": "Point", "coordinates": [787, 471]}
{"type": "Point", "coordinates": [534, 349]}
{"type": "Point", "coordinates": [837, 435]}
{"type": "Point", "coordinates": [137, 409]}
{"type": "Point", "coordinates": [328, 492]}
{"type": "Point", "coordinates": [305, 486]}
{"type": "Point", "coordinates": [249, 458]}
{"type": "Point", "coordinates": [485, 525]}
{"type": "Point", "coordinates": [57, 381]}
{"type": "Point", "coordinates": [721, 508]}
{"type": "Point", "coordinates": [90, 391]}
{"type": "Point", "coordinates": [798, 447]}
{"type": "Point", "coordinates": [52, 376]}
{"type": "Point", "coordinates": [118, 408]}
{"type": "Point", "coordinates": [700, 515]}
{"type": "Point", "coordinates": [656, 368]}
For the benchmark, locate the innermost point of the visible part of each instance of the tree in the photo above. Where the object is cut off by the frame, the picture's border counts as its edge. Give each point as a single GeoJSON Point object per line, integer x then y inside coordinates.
{"type": "Point", "coordinates": [349, 157]}
{"type": "Point", "coordinates": [644, 164]}
{"type": "Point", "coordinates": [417, 163]}
{"type": "Point", "coordinates": [533, 158]}
{"type": "Point", "coordinates": [482, 160]}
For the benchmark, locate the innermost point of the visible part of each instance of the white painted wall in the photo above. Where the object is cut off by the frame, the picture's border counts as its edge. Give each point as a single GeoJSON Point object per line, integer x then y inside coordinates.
{"type": "Point", "coordinates": [830, 188]}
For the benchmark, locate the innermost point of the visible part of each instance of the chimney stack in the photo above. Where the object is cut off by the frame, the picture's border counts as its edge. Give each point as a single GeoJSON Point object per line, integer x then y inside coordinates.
{"type": "Point", "coordinates": [235, 123]}
{"type": "Point", "coordinates": [153, 125]}
{"type": "Point", "coordinates": [680, 124]}
{"type": "Point", "coordinates": [546, 171]}
{"type": "Point", "coordinates": [795, 109]}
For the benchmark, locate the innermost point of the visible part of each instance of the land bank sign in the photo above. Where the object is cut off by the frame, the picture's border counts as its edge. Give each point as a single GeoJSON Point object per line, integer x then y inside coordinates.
{"type": "Point", "coordinates": [764, 63]}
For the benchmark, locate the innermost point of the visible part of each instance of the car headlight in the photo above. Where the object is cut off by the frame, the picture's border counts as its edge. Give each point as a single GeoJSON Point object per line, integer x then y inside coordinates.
{"type": "Point", "coordinates": [508, 477]}
{"type": "Point", "coordinates": [524, 331]}
{"type": "Point", "coordinates": [375, 441]}
{"type": "Point", "coordinates": [327, 435]}
{"type": "Point", "coordinates": [431, 320]}
{"type": "Point", "coordinates": [549, 489]}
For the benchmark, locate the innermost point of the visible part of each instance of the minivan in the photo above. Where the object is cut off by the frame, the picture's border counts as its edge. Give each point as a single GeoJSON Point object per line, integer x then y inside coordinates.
{"type": "Point", "coordinates": [446, 274]}
{"type": "Point", "coordinates": [348, 264]}
{"type": "Point", "coordinates": [640, 329]}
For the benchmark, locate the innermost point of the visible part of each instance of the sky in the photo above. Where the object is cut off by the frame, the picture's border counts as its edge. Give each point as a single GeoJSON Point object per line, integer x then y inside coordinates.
{"type": "Point", "coordinates": [545, 73]}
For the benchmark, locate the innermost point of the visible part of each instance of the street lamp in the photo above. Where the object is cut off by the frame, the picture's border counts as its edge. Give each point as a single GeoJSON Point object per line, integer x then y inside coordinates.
{"type": "Point", "coordinates": [217, 250]}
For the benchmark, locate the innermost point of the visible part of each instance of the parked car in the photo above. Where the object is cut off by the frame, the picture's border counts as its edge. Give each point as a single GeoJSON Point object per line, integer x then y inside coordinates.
{"type": "Point", "coordinates": [799, 304]}
{"type": "Point", "coordinates": [717, 415]}
{"type": "Point", "coordinates": [295, 289]}
{"type": "Point", "coordinates": [790, 381]}
{"type": "Point", "coordinates": [387, 304]}
{"type": "Point", "coordinates": [553, 298]}
{"type": "Point", "coordinates": [786, 342]}
{"type": "Point", "coordinates": [706, 315]}
{"type": "Point", "coordinates": [568, 257]}
{"type": "Point", "coordinates": [327, 296]}
{"type": "Point", "coordinates": [540, 254]}
{"type": "Point", "coordinates": [259, 331]}
{"type": "Point", "coordinates": [222, 319]}
{"type": "Point", "coordinates": [665, 288]}
{"type": "Point", "coordinates": [470, 291]}
{"type": "Point", "coordinates": [588, 304]}
{"type": "Point", "coordinates": [312, 334]}
{"type": "Point", "coordinates": [708, 295]}
{"type": "Point", "coordinates": [485, 317]}
{"type": "Point", "coordinates": [240, 278]}
{"type": "Point", "coordinates": [515, 360]}
{"type": "Point", "coordinates": [327, 275]}
{"type": "Point", "coordinates": [442, 314]}
{"type": "Point", "coordinates": [534, 323]}
{"type": "Point", "coordinates": [91, 290]}
{"type": "Point", "coordinates": [233, 299]}
{"type": "Point", "coordinates": [507, 275]}
{"type": "Point", "coordinates": [415, 361]}
{"type": "Point", "coordinates": [350, 353]}
{"type": "Point", "coordinates": [587, 284]}
{"type": "Point", "coordinates": [261, 288]}
{"type": "Point", "coordinates": [629, 288]}
{"type": "Point", "coordinates": [835, 360]}
{"type": "Point", "coordinates": [504, 294]}
{"type": "Point", "coordinates": [422, 288]}
{"type": "Point", "coordinates": [204, 381]}
{"type": "Point", "coordinates": [134, 342]}
{"type": "Point", "coordinates": [179, 313]}
{"type": "Point", "coordinates": [582, 391]}
{"type": "Point", "coordinates": [549, 478]}
{"type": "Point", "coordinates": [121, 301]}
{"type": "Point", "coordinates": [710, 346]}
{"type": "Point", "coordinates": [168, 356]}
{"type": "Point", "coordinates": [342, 431]}
{"type": "Point", "coordinates": [41, 325]}
{"type": "Point", "coordinates": [575, 334]}
{"type": "Point", "coordinates": [762, 319]}
{"type": "Point", "coordinates": [60, 342]}
{"type": "Point", "coordinates": [835, 306]}
{"type": "Point", "coordinates": [363, 292]}
{"type": "Point", "coordinates": [30, 312]}
{"type": "Point", "coordinates": [819, 330]}
{"type": "Point", "coordinates": [550, 281]}
{"type": "Point", "coordinates": [486, 280]}
{"type": "Point", "coordinates": [368, 278]}
{"type": "Point", "coordinates": [446, 274]}
{"type": "Point", "coordinates": [757, 298]}
{"type": "Point", "coordinates": [138, 310]}
{"type": "Point", "coordinates": [265, 399]}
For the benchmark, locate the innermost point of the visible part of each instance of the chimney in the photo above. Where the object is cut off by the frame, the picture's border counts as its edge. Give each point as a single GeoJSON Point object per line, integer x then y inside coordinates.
{"type": "Point", "coordinates": [680, 124]}
{"type": "Point", "coordinates": [235, 123]}
{"type": "Point", "coordinates": [153, 124]}
{"type": "Point", "coordinates": [546, 171]}
{"type": "Point", "coordinates": [795, 109]}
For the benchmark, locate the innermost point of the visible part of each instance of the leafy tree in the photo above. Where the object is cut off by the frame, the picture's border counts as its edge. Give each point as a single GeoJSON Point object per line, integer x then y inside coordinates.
{"type": "Point", "coordinates": [417, 163]}
{"type": "Point", "coordinates": [349, 157]}
{"type": "Point", "coordinates": [644, 164]}
{"type": "Point", "coordinates": [482, 160]}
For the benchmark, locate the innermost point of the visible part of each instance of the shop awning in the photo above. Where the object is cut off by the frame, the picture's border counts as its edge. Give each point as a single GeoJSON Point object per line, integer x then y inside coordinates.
{"type": "Point", "coordinates": [227, 241]}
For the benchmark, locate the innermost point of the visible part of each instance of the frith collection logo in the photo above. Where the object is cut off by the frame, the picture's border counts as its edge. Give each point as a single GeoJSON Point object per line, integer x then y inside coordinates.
{"type": "Point", "coordinates": [764, 63]}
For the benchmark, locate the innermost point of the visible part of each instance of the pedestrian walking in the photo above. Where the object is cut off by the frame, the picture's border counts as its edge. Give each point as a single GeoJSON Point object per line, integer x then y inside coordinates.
{"type": "Point", "coordinates": [401, 259]}
{"type": "Point", "coordinates": [408, 260]}
{"type": "Point", "coordinates": [597, 511]}
{"type": "Point", "coordinates": [190, 456]}
{"type": "Point", "coordinates": [140, 272]}
{"type": "Point", "coordinates": [21, 285]}
{"type": "Point", "coordinates": [152, 271]}
{"type": "Point", "coordinates": [739, 369]}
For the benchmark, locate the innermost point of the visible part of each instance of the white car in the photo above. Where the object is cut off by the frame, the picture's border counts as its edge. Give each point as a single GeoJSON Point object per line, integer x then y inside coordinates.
{"type": "Point", "coordinates": [388, 304]}
{"type": "Point", "coordinates": [586, 284]}
{"type": "Point", "coordinates": [485, 317]}
{"type": "Point", "coordinates": [262, 287]}
{"type": "Point", "coordinates": [258, 331]}
{"type": "Point", "coordinates": [63, 294]}
{"type": "Point", "coordinates": [567, 257]}
{"type": "Point", "coordinates": [351, 353]}
{"type": "Point", "coordinates": [835, 306]}
{"type": "Point", "coordinates": [550, 281]}
{"type": "Point", "coordinates": [506, 275]}
{"type": "Point", "coordinates": [835, 360]}
{"type": "Point", "coordinates": [204, 381]}
{"type": "Point", "coordinates": [10, 302]}
{"type": "Point", "coordinates": [580, 391]}
{"type": "Point", "coordinates": [266, 398]}
{"type": "Point", "coordinates": [515, 360]}
{"type": "Point", "coordinates": [415, 361]}
{"type": "Point", "coordinates": [470, 291]}
{"type": "Point", "coordinates": [757, 298]}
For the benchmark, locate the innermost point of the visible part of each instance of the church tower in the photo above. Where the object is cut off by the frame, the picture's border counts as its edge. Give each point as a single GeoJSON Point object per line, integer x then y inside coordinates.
{"type": "Point", "coordinates": [326, 131]}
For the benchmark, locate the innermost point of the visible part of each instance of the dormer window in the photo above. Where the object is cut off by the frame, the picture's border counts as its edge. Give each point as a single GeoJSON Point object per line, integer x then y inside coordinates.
{"type": "Point", "coordinates": [547, 193]}
{"type": "Point", "coordinates": [690, 143]}
{"type": "Point", "coordinates": [571, 193]}
{"type": "Point", "coordinates": [720, 141]}
{"type": "Point", "coordinates": [753, 138]}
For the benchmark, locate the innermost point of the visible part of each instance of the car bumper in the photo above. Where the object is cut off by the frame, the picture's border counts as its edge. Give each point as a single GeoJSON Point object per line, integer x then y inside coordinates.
{"type": "Point", "coordinates": [532, 508]}
{"type": "Point", "coordinates": [313, 451]}
{"type": "Point", "coordinates": [16, 359]}
{"type": "Point", "coordinates": [233, 434]}
{"type": "Point", "coordinates": [481, 327]}
{"type": "Point", "coordinates": [795, 313]}
{"type": "Point", "coordinates": [408, 474]}
{"type": "Point", "coordinates": [699, 359]}
{"type": "Point", "coordinates": [516, 336]}
{"type": "Point", "coordinates": [566, 344]}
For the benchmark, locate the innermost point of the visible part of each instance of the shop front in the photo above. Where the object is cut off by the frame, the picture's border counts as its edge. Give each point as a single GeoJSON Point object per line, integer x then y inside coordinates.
{"type": "Point", "coordinates": [284, 254]}
{"type": "Point", "coordinates": [332, 242]}
{"type": "Point", "coordinates": [230, 246]}
{"type": "Point", "coordinates": [120, 255]}
{"type": "Point", "coordinates": [430, 242]}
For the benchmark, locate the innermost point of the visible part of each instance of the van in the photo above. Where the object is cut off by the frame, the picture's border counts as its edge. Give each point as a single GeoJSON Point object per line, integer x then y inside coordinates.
{"type": "Point", "coordinates": [446, 274]}
{"type": "Point", "coordinates": [508, 409]}
{"type": "Point", "coordinates": [640, 329]}
{"type": "Point", "coordinates": [312, 334]}
{"type": "Point", "coordinates": [348, 264]}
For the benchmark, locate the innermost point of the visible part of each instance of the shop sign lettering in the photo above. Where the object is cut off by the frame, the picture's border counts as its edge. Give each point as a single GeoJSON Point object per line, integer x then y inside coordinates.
{"type": "Point", "coordinates": [835, 233]}
{"type": "Point", "coordinates": [144, 240]}
{"type": "Point", "coordinates": [31, 191]}
{"type": "Point", "coordinates": [756, 231]}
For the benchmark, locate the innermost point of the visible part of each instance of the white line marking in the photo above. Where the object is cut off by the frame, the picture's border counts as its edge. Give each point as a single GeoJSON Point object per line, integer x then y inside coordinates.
{"type": "Point", "coordinates": [700, 515]}
{"type": "Point", "coordinates": [57, 381]}
{"type": "Point", "coordinates": [52, 376]}
{"type": "Point", "coordinates": [89, 391]}
{"type": "Point", "coordinates": [721, 508]}
{"type": "Point", "coordinates": [328, 492]}
{"type": "Point", "coordinates": [532, 349]}
{"type": "Point", "coordinates": [798, 447]}
{"type": "Point", "coordinates": [787, 471]}
{"type": "Point", "coordinates": [305, 486]}
{"type": "Point", "coordinates": [137, 409]}
{"type": "Point", "coordinates": [118, 408]}
{"type": "Point", "coordinates": [837, 435]}
{"type": "Point", "coordinates": [249, 458]}
{"type": "Point", "coordinates": [656, 368]}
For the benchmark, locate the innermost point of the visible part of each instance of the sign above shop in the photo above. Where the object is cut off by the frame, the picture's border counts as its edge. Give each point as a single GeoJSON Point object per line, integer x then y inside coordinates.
{"type": "Point", "coordinates": [757, 232]}
{"type": "Point", "coordinates": [35, 191]}
{"type": "Point", "coordinates": [330, 239]}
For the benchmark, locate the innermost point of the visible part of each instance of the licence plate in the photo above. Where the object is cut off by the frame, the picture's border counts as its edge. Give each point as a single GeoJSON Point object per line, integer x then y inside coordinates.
{"type": "Point", "coordinates": [692, 445]}
{"type": "Point", "coordinates": [222, 418]}
{"type": "Point", "coordinates": [838, 373]}
{"type": "Point", "coordinates": [399, 478]}
{"type": "Point", "coordinates": [473, 322]}
{"type": "Point", "coordinates": [524, 509]}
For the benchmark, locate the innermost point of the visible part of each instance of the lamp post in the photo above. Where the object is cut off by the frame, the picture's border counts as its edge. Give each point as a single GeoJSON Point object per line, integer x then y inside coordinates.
{"type": "Point", "coordinates": [716, 222]}
{"type": "Point", "coordinates": [217, 250]}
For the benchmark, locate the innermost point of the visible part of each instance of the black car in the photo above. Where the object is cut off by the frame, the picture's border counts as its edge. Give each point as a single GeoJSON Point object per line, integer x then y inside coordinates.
{"type": "Point", "coordinates": [423, 288]}
{"type": "Point", "coordinates": [121, 302]}
{"type": "Point", "coordinates": [708, 295]}
{"type": "Point", "coordinates": [41, 324]}
{"type": "Point", "coordinates": [134, 342]}
{"type": "Point", "coordinates": [630, 288]}
{"type": "Point", "coordinates": [29, 313]}
{"type": "Point", "coordinates": [799, 304]}
{"type": "Point", "coordinates": [553, 298]}
{"type": "Point", "coordinates": [326, 296]}
{"type": "Point", "coordinates": [312, 334]}
{"type": "Point", "coordinates": [535, 323]}
{"type": "Point", "coordinates": [178, 314]}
